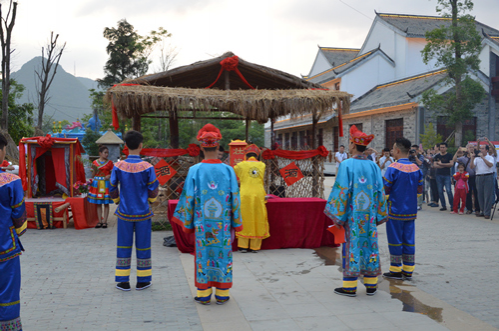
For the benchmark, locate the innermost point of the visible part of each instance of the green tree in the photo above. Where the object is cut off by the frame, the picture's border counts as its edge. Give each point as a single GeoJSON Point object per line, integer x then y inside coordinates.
{"type": "Point", "coordinates": [128, 52]}
{"type": "Point", "coordinates": [20, 115]}
{"type": "Point", "coordinates": [89, 140]}
{"type": "Point", "coordinates": [455, 46]}
{"type": "Point", "coordinates": [430, 138]}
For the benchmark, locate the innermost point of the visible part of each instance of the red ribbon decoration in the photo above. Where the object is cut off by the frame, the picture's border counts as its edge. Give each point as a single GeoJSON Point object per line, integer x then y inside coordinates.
{"type": "Point", "coordinates": [269, 154]}
{"type": "Point", "coordinates": [192, 150]}
{"type": "Point", "coordinates": [230, 64]}
{"type": "Point", "coordinates": [116, 121]}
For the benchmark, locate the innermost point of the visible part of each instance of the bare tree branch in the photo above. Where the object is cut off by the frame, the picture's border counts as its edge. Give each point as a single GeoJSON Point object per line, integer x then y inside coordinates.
{"type": "Point", "coordinates": [6, 28]}
{"type": "Point", "coordinates": [46, 76]}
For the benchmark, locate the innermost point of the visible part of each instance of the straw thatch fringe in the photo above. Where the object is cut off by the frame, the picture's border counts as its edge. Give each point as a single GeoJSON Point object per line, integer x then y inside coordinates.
{"type": "Point", "coordinates": [259, 105]}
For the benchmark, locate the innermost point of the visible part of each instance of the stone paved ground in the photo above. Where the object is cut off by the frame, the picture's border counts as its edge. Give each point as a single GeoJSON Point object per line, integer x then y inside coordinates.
{"type": "Point", "coordinates": [68, 284]}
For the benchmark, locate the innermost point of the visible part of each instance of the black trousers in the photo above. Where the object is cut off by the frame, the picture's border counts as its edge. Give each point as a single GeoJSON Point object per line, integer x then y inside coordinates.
{"type": "Point", "coordinates": [434, 190]}
{"type": "Point", "coordinates": [472, 191]}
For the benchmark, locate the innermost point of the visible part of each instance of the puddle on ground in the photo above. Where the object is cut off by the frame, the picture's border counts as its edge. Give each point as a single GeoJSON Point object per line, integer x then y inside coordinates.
{"type": "Point", "coordinates": [332, 256]}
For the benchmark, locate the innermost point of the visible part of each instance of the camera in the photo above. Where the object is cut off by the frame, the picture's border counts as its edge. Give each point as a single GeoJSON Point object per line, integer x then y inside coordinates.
{"type": "Point", "coordinates": [412, 156]}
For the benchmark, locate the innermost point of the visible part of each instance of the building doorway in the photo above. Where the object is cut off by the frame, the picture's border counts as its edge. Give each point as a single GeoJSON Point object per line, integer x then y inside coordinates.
{"type": "Point", "coordinates": [394, 130]}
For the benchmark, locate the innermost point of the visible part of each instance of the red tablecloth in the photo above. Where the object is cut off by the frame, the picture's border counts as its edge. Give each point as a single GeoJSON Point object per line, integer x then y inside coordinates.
{"type": "Point", "coordinates": [293, 223]}
{"type": "Point", "coordinates": [84, 213]}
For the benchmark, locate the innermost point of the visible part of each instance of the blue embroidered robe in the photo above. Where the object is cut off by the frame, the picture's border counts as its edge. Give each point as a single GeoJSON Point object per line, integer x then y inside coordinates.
{"type": "Point", "coordinates": [139, 187]}
{"type": "Point", "coordinates": [357, 202]}
{"type": "Point", "coordinates": [210, 207]}
{"type": "Point", "coordinates": [403, 181]}
{"type": "Point", "coordinates": [13, 224]}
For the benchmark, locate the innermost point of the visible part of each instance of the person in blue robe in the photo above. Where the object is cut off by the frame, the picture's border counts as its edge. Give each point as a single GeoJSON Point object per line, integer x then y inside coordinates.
{"type": "Point", "coordinates": [209, 207]}
{"type": "Point", "coordinates": [13, 224]}
{"type": "Point", "coordinates": [139, 188]}
{"type": "Point", "coordinates": [357, 202]}
{"type": "Point", "coordinates": [403, 182]}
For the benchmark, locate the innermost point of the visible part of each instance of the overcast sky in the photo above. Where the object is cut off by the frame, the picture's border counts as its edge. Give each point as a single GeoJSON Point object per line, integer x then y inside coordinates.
{"type": "Point", "coordinates": [281, 34]}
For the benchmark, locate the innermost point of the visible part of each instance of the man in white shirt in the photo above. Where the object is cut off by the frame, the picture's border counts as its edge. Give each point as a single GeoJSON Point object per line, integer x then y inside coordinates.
{"type": "Point", "coordinates": [483, 165]}
{"type": "Point", "coordinates": [339, 157]}
{"type": "Point", "coordinates": [493, 153]}
{"type": "Point", "coordinates": [385, 161]}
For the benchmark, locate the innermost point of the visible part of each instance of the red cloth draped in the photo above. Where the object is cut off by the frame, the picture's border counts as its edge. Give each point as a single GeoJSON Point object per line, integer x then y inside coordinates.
{"type": "Point", "coordinates": [293, 223]}
{"type": "Point", "coordinates": [192, 150]}
{"type": "Point", "coordinates": [294, 155]}
{"type": "Point", "coordinates": [116, 121]}
{"type": "Point", "coordinates": [230, 64]}
{"type": "Point", "coordinates": [77, 151]}
{"type": "Point", "coordinates": [60, 167]}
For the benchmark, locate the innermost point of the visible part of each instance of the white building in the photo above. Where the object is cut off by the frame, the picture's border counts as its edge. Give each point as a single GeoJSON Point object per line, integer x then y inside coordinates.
{"type": "Point", "coordinates": [387, 77]}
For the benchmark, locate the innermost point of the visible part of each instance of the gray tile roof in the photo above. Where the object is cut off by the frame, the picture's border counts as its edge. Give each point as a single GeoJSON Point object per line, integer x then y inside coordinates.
{"type": "Point", "coordinates": [332, 73]}
{"type": "Point", "coordinates": [417, 26]}
{"type": "Point", "coordinates": [397, 92]}
{"type": "Point", "coordinates": [495, 40]}
{"type": "Point", "coordinates": [337, 56]}
{"type": "Point", "coordinates": [302, 121]}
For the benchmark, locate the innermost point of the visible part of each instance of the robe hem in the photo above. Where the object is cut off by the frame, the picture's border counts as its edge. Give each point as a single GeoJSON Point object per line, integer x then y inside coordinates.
{"type": "Point", "coordinates": [180, 223]}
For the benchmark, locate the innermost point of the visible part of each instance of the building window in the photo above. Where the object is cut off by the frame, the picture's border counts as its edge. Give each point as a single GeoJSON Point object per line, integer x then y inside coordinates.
{"type": "Point", "coordinates": [302, 139]}
{"type": "Point", "coordinates": [279, 140]}
{"type": "Point", "coordinates": [443, 127]}
{"type": "Point", "coordinates": [394, 130]}
{"type": "Point", "coordinates": [469, 130]}
{"type": "Point", "coordinates": [319, 138]}
{"type": "Point", "coordinates": [287, 143]}
{"type": "Point", "coordinates": [359, 126]}
{"type": "Point", "coordinates": [294, 141]}
{"type": "Point", "coordinates": [336, 137]}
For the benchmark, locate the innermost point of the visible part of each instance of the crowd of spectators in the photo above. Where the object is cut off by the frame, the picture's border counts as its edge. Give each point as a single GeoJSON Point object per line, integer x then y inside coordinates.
{"type": "Point", "coordinates": [472, 170]}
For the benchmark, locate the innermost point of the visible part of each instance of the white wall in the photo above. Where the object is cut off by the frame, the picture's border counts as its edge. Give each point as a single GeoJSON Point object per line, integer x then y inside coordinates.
{"type": "Point", "coordinates": [485, 60]}
{"type": "Point", "coordinates": [374, 71]}
{"type": "Point", "coordinates": [321, 64]}
{"type": "Point", "coordinates": [380, 34]}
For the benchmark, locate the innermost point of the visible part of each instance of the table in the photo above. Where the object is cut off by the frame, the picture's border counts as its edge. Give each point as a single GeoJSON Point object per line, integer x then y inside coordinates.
{"type": "Point", "coordinates": [293, 223]}
{"type": "Point", "coordinates": [84, 213]}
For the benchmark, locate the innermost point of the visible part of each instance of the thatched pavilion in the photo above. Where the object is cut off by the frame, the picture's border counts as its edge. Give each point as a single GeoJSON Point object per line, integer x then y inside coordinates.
{"type": "Point", "coordinates": [225, 84]}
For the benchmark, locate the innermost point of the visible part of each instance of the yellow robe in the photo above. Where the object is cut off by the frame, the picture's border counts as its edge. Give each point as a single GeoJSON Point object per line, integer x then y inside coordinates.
{"type": "Point", "coordinates": [253, 209]}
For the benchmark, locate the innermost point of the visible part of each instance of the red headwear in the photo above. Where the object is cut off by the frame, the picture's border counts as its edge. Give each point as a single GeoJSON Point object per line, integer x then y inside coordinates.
{"type": "Point", "coordinates": [209, 136]}
{"type": "Point", "coordinates": [252, 149]}
{"type": "Point", "coordinates": [360, 138]}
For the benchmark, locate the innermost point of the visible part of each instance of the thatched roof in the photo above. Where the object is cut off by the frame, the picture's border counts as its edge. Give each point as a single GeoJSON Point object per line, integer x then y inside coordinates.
{"type": "Point", "coordinates": [259, 105]}
{"type": "Point", "coordinates": [202, 74]}
{"type": "Point", "coordinates": [277, 93]}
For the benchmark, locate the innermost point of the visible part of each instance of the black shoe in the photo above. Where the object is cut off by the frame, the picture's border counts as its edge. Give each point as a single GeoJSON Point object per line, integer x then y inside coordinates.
{"type": "Point", "coordinates": [244, 250]}
{"type": "Point", "coordinates": [124, 286]}
{"type": "Point", "coordinates": [443, 209]}
{"type": "Point", "coordinates": [99, 225]}
{"type": "Point", "coordinates": [479, 215]}
{"type": "Point", "coordinates": [142, 285]}
{"type": "Point", "coordinates": [104, 225]}
{"type": "Point", "coordinates": [203, 302]}
{"type": "Point", "coordinates": [221, 302]}
{"type": "Point", "coordinates": [406, 276]}
{"type": "Point", "coordinates": [433, 205]}
{"type": "Point", "coordinates": [342, 291]}
{"type": "Point", "coordinates": [393, 275]}
{"type": "Point", "coordinates": [371, 291]}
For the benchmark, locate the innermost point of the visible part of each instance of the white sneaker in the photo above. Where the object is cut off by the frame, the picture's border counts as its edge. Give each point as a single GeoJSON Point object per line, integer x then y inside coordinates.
{"type": "Point", "coordinates": [419, 207]}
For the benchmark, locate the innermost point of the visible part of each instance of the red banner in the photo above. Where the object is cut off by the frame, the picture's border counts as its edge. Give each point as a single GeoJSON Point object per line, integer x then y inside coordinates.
{"type": "Point", "coordinates": [164, 172]}
{"type": "Point", "coordinates": [291, 173]}
{"type": "Point", "coordinates": [295, 155]}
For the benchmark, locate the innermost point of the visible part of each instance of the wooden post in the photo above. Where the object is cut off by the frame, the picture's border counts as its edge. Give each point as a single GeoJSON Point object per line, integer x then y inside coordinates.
{"type": "Point", "coordinates": [227, 79]}
{"type": "Point", "coordinates": [248, 123]}
{"type": "Point", "coordinates": [272, 133]}
{"type": "Point", "coordinates": [315, 163]}
{"type": "Point", "coordinates": [314, 130]}
{"type": "Point", "coordinates": [174, 138]}
{"type": "Point", "coordinates": [136, 122]}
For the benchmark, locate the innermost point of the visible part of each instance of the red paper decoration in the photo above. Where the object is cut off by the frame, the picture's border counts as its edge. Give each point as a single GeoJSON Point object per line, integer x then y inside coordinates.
{"type": "Point", "coordinates": [164, 172]}
{"type": "Point", "coordinates": [291, 173]}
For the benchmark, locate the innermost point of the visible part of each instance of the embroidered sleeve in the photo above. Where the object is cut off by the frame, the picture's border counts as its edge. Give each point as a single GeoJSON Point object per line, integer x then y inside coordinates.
{"type": "Point", "coordinates": [18, 207]}
{"type": "Point", "coordinates": [114, 192]}
{"type": "Point", "coordinates": [152, 185]}
{"type": "Point", "coordinates": [340, 197]}
{"type": "Point", "coordinates": [184, 213]}
{"type": "Point", "coordinates": [237, 219]}
{"type": "Point", "coordinates": [388, 179]}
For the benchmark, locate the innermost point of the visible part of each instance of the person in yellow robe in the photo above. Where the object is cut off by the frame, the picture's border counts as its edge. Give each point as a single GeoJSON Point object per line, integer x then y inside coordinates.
{"type": "Point", "coordinates": [253, 210]}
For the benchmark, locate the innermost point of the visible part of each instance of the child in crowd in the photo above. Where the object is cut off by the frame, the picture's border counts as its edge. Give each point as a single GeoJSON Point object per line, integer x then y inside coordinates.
{"type": "Point", "coordinates": [461, 189]}
{"type": "Point", "coordinates": [99, 191]}
{"type": "Point", "coordinates": [139, 187]}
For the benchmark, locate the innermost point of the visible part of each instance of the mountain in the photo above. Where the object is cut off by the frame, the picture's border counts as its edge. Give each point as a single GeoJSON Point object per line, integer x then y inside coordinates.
{"type": "Point", "coordinates": [69, 95]}
{"type": "Point", "coordinates": [89, 83]}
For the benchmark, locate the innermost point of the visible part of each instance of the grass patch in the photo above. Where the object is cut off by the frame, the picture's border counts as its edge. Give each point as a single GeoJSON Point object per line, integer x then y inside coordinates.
{"type": "Point", "coordinates": [156, 226]}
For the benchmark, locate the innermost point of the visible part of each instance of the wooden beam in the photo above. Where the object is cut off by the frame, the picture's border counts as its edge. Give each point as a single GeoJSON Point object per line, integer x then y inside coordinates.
{"type": "Point", "coordinates": [199, 118]}
{"type": "Point", "coordinates": [174, 136]}
{"type": "Point", "coordinates": [136, 122]}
